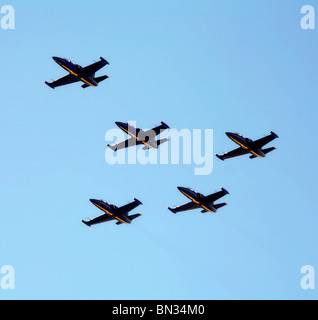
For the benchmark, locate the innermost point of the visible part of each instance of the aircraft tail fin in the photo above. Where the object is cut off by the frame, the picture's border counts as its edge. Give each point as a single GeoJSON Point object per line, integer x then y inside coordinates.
{"type": "Point", "coordinates": [219, 205]}
{"type": "Point", "coordinates": [265, 151]}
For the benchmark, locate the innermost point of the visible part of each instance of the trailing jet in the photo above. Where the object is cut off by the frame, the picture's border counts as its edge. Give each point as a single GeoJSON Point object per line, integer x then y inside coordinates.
{"type": "Point", "coordinates": [114, 213]}
{"type": "Point", "coordinates": [78, 73]}
{"type": "Point", "coordinates": [249, 146]}
{"type": "Point", "coordinates": [199, 201]}
{"type": "Point", "coordinates": [138, 136]}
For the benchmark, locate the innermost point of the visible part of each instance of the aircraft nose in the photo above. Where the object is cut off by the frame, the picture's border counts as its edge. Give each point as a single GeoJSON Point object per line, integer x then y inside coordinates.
{"type": "Point", "coordinates": [57, 59]}
{"type": "Point", "coordinates": [229, 134]}
{"type": "Point", "coordinates": [182, 189]}
{"type": "Point", "coordinates": [120, 124]}
{"type": "Point", "coordinates": [93, 201]}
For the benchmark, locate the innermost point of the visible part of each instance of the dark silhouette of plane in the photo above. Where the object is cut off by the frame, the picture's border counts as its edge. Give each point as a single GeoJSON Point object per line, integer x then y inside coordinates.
{"type": "Point", "coordinates": [78, 73]}
{"type": "Point", "coordinates": [200, 201]}
{"type": "Point", "coordinates": [249, 146]}
{"type": "Point", "coordinates": [138, 136]}
{"type": "Point", "coordinates": [114, 213]}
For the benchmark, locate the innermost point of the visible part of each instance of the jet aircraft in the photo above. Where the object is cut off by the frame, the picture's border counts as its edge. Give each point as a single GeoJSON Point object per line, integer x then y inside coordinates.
{"type": "Point", "coordinates": [78, 73]}
{"type": "Point", "coordinates": [111, 212]}
{"type": "Point", "coordinates": [139, 136]}
{"type": "Point", "coordinates": [199, 201]}
{"type": "Point", "coordinates": [249, 146]}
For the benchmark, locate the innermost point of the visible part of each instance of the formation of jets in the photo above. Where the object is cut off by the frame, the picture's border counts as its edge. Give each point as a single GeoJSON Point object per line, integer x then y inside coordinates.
{"type": "Point", "coordinates": [148, 140]}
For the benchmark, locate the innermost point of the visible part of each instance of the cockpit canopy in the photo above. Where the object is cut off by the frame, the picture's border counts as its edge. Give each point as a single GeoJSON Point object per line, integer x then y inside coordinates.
{"type": "Point", "coordinates": [239, 134]}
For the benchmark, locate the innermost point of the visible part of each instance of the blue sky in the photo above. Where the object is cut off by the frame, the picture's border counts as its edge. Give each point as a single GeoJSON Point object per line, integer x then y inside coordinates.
{"type": "Point", "coordinates": [243, 67]}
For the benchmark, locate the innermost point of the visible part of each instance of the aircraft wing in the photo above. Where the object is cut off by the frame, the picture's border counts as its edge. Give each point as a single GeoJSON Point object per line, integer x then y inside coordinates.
{"type": "Point", "coordinates": [215, 196]}
{"type": "Point", "coordinates": [93, 68]}
{"type": "Point", "coordinates": [63, 81]}
{"type": "Point", "coordinates": [261, 142]}
{"type": "Point", "coordinates": [185, 207]}
{"type": "Point", "coordinates": [103, 218]}
{"type": "Point", "coordinates": [234, 153]}
{"type": "Point", "coordinates": [125, 144]}
{"type": "Point", "coordinates": [128, 207]}
{"type": "Point", "coordinates": [152, 133]}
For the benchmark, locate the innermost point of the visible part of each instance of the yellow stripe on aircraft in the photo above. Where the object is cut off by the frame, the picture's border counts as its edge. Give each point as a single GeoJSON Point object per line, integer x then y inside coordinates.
{"type": "Point", "coordinates": [255, 154]}
{"type": "Point", "coordinates": [103, 209]}
{"type": "Point", "coordinates": [93, 85]}
{"type": "Point", "coordinates": [190, 198]}
{"type": "Point", "coordinates": [137, 138]}
{"type": "Point", "coordinates": [239, 143]}
{"type": "Point", "coordinates": [69, 70]}
{"type": "Point", "coordinates": [207, 209]}
{"type": "Point", "coordinates": [121, 220]}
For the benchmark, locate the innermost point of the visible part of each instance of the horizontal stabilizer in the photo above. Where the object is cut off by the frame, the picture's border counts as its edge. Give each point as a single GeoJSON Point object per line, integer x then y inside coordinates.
{"type": "Point", "coordinates": [217, 206]}
{"type": "Point", "coordinates": [132, 217]}
{"type": "Point", "coordinates": [157, 143]}
{"type": "Point", "coordinates": [265, 151]}
{"type": "Point", "coordinates": [98, 80]}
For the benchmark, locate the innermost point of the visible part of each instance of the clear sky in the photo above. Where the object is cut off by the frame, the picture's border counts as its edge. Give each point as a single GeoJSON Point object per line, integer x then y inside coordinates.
{"type": "Point", "coordinates": [239, 66]}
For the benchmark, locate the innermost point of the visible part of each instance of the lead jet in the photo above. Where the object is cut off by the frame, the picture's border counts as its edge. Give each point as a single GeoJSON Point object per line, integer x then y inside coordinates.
{"type": "Point", "coordinates": [111, 212]}
{"type": "Point", "coordinates": [199, 201]}
{"type": "Point", "coordinates": [249, 146]}
{"type": "Point", "coordinates": [78, 73]}
{"type": "Point", "coordinates": [138, 136]}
